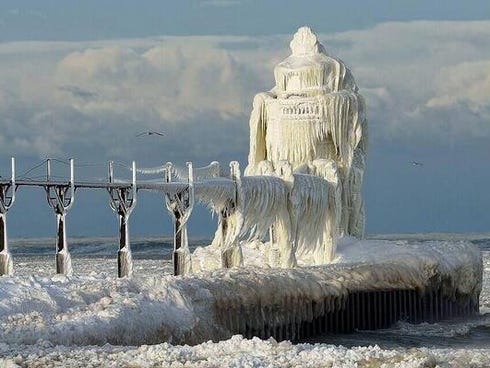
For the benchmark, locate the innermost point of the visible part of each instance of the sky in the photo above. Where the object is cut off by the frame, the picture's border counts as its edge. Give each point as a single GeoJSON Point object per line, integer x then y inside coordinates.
{"type": "Point", "coordinates": [81, 79]}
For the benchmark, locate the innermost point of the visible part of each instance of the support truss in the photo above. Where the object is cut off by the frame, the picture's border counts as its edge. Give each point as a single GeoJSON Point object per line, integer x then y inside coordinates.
{"type": "Point", "coordinates": [61, 197]}
{"type": "Point", "coordinates": [7, 199]}
{"type": "Point", "coordinates": [122, 202]}
{"type": "Point", "coordinates": [180, 206]}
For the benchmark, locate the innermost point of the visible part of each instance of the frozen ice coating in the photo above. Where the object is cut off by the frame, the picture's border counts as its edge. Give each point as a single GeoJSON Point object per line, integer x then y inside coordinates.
{"type": "Point", "coordinates": [302, 187]}
{"type": "Point", "coordinates": [97, 308]}
{"type": "Point", "coordinates": [313, 113]}
{"type": "Point", "coordinates": [288, 258]}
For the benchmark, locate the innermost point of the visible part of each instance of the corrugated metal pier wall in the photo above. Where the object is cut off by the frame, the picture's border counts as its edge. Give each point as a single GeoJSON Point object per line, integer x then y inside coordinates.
{"type": "Point", "coordinates": [361, 310]}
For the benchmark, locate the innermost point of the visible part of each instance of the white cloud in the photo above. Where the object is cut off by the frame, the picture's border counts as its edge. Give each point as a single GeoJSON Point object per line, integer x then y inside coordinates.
{"type": "Point", "coordinates": [67, 94]}
{"type": "Point", "coordinates": [467, 83]}
{"type": "Point", "coordinates": [172, 81]}
{"type": "Point", "coordinates": [418, 75]}
{"type": "Point", "coordinates": [419, 79]}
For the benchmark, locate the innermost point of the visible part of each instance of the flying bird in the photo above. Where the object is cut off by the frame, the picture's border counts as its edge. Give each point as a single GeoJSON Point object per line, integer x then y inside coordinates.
{"type": "Point", "coordinates": [150, 133]}
{"type": "Point", "coordinates": [415, 163]}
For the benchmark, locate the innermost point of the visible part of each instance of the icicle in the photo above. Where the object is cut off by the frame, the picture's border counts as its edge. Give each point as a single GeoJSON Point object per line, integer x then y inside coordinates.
{"type": "Point", "coordinates": [230, 224]}
{"type": "Point", "coordinates": [258, 130]}
{"type": "Point", "coordinates": [264, 200]}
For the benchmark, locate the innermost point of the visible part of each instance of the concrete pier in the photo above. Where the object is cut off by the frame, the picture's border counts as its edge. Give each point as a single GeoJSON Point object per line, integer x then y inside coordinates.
{"type": "Point", "coordinates": [362, 310]}
{"type": "Point", "coordinates": [296, 304]}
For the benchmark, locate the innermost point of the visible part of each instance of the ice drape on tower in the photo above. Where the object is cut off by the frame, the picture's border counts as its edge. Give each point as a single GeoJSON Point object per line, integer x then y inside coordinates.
{"type": "Point", "coordinates": [313, 112]}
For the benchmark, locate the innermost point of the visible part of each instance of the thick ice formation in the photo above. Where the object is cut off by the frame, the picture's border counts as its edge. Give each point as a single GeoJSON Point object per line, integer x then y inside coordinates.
{"type": "Point", "coordinates": [313, 113]}
{"type": "Point", "coordinates": [302, 186]}
{"type": "Point", "coordinates": [99, 309]}
{"type": "Point", "coordinates": [240, 352]}
{"type": "Point", "coordinates": [299, 213]}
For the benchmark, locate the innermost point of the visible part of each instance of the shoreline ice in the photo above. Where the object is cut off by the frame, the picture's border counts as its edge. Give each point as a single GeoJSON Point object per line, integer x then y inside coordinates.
{"type": "Point", "coordinates": [238, 352]}
{"type": "Point", "coordinates": [98, 308]}
{"type": "Point", "coordinates": [81, 303]}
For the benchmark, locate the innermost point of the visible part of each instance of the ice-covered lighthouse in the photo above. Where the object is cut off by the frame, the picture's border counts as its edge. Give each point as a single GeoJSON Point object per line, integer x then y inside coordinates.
{"type": "Point", "coordinates": [308, 138]}
{"type": "Point", "coordinates": [302, 186]}
{"type": "Point", "coordinates": [314, 119]}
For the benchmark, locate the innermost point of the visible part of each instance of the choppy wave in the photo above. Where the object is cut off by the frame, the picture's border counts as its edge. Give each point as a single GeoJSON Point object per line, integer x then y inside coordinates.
{"type": "Point", "coordinates": [143, 247]}
{"type": "Point", "coordinates": [152, 246]}
{"type": "Point", "coordinates": [476, 238]}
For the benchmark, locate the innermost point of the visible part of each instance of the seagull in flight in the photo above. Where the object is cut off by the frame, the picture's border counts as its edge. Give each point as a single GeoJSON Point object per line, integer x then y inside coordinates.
{"type": "Point", "coordinates": [150, 132]}
{"type": "Point", "coordinates": [416, 163]}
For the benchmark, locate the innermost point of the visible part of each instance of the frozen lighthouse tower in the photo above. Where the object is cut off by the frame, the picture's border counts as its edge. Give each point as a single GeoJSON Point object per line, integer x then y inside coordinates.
{"type": "Point", "coordinates": [314, 121]}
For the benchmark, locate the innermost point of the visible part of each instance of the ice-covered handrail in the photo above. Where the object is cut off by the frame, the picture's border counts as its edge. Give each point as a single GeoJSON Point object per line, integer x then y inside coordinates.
{"type": "Point", "coordinates": [259, 203]}
{"type": "Point", "coordinates": [294, 211]}
{"type": "Point", "coordinates": [299, 212]}
{"type": "Point", "coordinates": [215, 193]}
{"type": "Point", "coordinates": [7, 199]}
{"type": "Point", "coordinates": [264, 199]}
{"type": "Point", "coordinates": [60, 197]}
{"type": "Point", "coordinates": [311, 216]}
{"type": "Point", "coordinates": [181, 174]}
{"type": "Point", "coordinates": [200, 173]}
{"type": "Point", "coordinates": [230, 223]}
{"type": "Point", "coordinates": [152, 170]}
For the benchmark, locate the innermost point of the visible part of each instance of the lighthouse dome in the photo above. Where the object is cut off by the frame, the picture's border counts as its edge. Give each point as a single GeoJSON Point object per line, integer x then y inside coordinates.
{"type": "Point", "coordinates": [309, 70]}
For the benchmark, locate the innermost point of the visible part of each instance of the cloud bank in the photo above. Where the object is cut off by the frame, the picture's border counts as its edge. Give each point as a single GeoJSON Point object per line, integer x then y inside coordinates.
{"type": "Point", "coordinates": [422, 80]}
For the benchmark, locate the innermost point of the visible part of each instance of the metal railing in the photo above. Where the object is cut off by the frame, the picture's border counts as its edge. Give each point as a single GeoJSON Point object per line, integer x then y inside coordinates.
{"type": "Point", "coordinates": [179, 199]}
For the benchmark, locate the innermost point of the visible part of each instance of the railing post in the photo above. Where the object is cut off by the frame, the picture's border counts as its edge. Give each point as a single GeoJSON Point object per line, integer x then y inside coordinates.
{"type": "Point", "coordinates": [285, 242]}
{"type": "Point", "coordinates": [122, 202]}
{"type": "Point", "coordinates": [180, 206]}
{"type": "Point", "coordinates": [231, 252]}
{"type": "Point", "coordinates": [7, 199]}
{"type": "Point", "coordinates": [6, 264]}
{"type": "Point", "coordinates": [60, 198]}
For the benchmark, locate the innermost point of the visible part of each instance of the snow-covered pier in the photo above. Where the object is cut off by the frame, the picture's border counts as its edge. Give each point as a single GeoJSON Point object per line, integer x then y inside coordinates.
{"type": "Point", "coordinates": [361, 310]}
{"type": "Point", "coordinates": [372, 285]}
